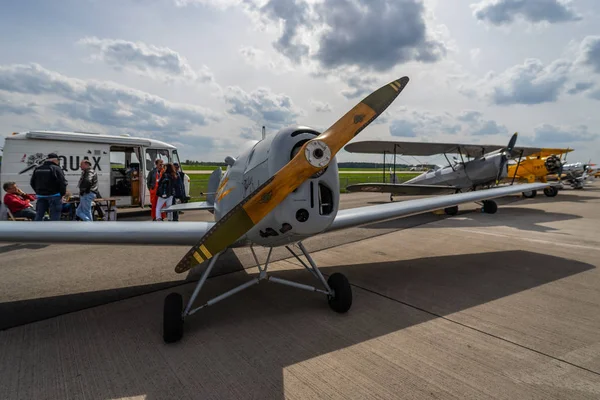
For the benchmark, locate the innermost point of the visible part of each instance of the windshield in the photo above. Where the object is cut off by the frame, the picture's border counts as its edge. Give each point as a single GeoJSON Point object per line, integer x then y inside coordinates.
{"type": "Point", "coordinates": [176, 159]}
{"type": "Point", "coordinates": [153, 154]}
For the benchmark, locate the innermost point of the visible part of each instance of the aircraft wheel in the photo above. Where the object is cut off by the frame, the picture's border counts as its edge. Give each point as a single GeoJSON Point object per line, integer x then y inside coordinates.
{"type": "Point", "coordinates": [172, 319]}
{"type": "Point", "coordinates": [551, 191]}
{"type": "Point", "coordinates": [342, 299]}
{"type": "Point", "coordinates": [451, 210]}
{"type": "Point", "coordinates": [490, 207]}
{"type": "Point", "coordinates": [391, 198]}
{"type": "Point", "coordinates": [530, 195]}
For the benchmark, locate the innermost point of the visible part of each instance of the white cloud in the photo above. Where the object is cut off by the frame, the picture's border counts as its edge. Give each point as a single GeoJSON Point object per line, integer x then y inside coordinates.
{"type": "Point", "coordinates": [155, 62]}
{"type": "Point", "coordinates": [504, 12]}
{"type": "Point", "coordinates": [262, 106]}
{"type": "Point", "coordinates": [320, 106]}
{"type": "Point", "coordinates": [589, 53]}
{"type": "Point", "coordinates": [529, 83]}
{"type": "Point", "coordinates": [563, 135]}
{"type": "Point", "coordinates": [103, 103]}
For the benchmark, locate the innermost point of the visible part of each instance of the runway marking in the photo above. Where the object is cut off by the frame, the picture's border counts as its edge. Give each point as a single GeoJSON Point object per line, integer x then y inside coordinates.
{"type": "Point", "coordinates": [549, 242]}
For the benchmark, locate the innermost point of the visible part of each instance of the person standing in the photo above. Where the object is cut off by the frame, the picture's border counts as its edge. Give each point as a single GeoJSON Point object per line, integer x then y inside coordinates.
{"type": "Point", "coordinates": [166, 191]}
{"type": "Point", "coordinates": [152, 183]}
{"type": "Point", "coordinates": [179, 189]}
{"type": "Point", "coordinates": [88, 190]}
{"type": "Point", "coordinates": [50, 185]}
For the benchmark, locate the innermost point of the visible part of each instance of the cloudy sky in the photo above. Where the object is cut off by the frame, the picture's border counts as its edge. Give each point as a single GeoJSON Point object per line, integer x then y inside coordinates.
{"type": "Point", "coordinates": [205, 75]}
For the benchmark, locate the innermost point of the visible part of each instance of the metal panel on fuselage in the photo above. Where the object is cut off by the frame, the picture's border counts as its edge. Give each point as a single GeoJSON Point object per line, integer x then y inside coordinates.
{"type": "Point", "coordinates": [475, 172]}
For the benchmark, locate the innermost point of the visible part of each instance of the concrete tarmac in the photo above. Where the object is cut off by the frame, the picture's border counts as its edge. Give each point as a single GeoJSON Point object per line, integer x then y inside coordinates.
{"type": "Point", "coordinates": [474, 306]}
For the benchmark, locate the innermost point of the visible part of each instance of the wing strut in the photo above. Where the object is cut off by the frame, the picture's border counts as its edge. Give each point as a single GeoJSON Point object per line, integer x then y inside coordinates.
{"type": "Point", "coordinates": [449, 163]}
{"type": "Point", "coordinates": [384, 166]}
{"type": "Point", "coordinates": [517, 169]}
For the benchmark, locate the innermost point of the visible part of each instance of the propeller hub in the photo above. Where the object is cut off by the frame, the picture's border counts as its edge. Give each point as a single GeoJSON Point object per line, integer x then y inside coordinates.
{"type": "Point", "coordinates": [317, 153]}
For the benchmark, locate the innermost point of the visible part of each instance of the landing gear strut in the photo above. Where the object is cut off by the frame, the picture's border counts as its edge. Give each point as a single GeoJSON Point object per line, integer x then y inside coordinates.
{"type": "Point", "coordinates": [336, 288]}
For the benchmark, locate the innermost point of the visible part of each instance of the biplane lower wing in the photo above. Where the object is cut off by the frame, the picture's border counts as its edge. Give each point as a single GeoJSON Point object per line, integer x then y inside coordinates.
{"type": "Point", "coordinates": [186, 233]}
{"type": "Point", "coordinates": [402, 189]}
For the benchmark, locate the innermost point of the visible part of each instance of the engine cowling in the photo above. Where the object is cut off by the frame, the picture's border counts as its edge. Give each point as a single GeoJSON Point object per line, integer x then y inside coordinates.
{"type": "Point", "coordinates": [553, 164]}
{"type": "Point", "coordinates": [307, 211]}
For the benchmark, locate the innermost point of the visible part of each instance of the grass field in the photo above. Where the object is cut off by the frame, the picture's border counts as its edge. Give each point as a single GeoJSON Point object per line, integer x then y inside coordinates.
{"type": "Point", "coordinates": [199, 183]}
{"type": "Point", "coordinates": [187, 167]}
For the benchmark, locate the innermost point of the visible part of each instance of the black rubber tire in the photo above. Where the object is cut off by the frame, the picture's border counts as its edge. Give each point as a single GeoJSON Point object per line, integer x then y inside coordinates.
{"type": "Point", "coordinates": [172, 319]}
{"type": "Point", "coordinates": [551, 191]}
{"type": "Point", "coordinates": [490, 207]}
{"type": "Point", "coordinates": [531, 196]}
{"type": "Point", "coordinates": [451, 210]}
{"type": "Point", "coordinates": [342, 301]}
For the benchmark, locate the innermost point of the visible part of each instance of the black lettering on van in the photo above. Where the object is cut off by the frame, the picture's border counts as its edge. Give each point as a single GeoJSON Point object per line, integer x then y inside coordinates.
{"type": "Point", "coordinates": [97, 163]}
{"type": "Point", "coordinates": [71, 159]}
{"type": "Point", "coordinates": [62, 162]}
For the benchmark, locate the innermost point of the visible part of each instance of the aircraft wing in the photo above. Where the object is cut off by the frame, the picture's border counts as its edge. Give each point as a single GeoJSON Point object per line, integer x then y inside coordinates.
{"type": "Point", "coordinates": [198, 205]}
{"type": "Point", "coordinates": [118, 232]}
{"type": "Point", "coordinates": [187, 233]}
{"type": "Point", "coordinates": [381, 212]}
{"type": "Point", "coordinates": [419, 148]}
{"type": "Point", "coordinates": [402, 189]}
{"type": "Point", "coordinates": [434, 148]}
{"type": "Point", "coordinates": [539, 152]}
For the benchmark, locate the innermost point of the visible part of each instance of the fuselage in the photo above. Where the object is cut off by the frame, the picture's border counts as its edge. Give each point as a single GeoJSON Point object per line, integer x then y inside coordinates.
{"type": "Point", "coordinates": [481, 171]}
{"type": "Point", "coordinates": [307, 211]}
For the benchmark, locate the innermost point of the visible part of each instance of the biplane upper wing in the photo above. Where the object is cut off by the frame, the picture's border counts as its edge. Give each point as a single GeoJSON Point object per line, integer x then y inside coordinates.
{"type": "Point", "coordinates": [432, 149]}
{"type": "Point", "coordinates": [402, 189]}
{"type": "Point", "coordinates": [546, 152]}
{"type": "Point", "coordinates": [418, 148]}
{"type": "Point", "coordinates": [186, 233]}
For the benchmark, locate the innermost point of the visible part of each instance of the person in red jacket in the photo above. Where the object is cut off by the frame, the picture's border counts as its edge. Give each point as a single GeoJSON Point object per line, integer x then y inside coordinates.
{"type": "Point", "coordinates": [18, 202]}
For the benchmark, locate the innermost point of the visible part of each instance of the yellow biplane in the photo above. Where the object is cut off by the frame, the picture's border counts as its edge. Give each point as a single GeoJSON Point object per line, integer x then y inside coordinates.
{"type": "Point", "coordinates": [537, 167]}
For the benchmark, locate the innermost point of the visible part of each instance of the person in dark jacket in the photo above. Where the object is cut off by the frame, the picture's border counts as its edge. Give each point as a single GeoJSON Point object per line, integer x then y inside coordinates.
{"type": "Point", "coordinates": [179, 190]}
{"type": "Point", "coordinates": [50, 185]}
{"type": "Point", "coordinates": [166, 191]}
{"type": "Point", "coordinates": [88, 190]}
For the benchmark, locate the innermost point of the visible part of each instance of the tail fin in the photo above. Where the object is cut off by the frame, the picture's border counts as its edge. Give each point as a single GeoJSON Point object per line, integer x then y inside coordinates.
{"type": "Point", "coordinates": [213, 185]}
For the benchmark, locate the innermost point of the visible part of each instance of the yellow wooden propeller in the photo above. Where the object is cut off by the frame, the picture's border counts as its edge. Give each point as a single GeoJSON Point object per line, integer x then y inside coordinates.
{"type": "Point", "coordinates": [312, 157]}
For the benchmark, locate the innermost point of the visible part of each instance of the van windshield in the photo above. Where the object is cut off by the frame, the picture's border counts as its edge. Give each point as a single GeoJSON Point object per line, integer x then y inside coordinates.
{"type": "Point", "coordinates": [153, 154]}
{"type": "Point", "coordinates": [176, 159]}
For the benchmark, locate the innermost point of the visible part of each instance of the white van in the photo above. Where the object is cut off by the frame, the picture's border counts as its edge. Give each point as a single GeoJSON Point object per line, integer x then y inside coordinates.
{"type": "Point", "coordinates": [116, 160]}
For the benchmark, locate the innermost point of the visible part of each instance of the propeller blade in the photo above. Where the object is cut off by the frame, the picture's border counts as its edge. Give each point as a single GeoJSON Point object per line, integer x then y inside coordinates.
{"type": "Point", "coordinates": [504, 159]}
{"type": "Point", "coordinates": [312, 157]}
{"type": "Point", "coordinates": [511, 143]}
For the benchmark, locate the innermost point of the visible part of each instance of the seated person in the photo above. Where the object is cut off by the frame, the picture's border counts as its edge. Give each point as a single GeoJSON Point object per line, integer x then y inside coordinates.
{"type": "Point", "coordinates": [17, 201]}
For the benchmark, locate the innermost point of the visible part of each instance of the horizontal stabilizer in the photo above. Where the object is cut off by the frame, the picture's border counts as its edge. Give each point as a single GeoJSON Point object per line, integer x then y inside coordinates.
{"type": "Point", "coordinates": [198, 205]}
{"type": "Point", "coordinates": [402, 189]}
